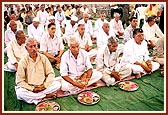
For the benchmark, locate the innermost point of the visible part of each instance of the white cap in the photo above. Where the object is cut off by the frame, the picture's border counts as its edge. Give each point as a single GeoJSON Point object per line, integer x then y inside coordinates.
{"type": "Point", "coordinates": [51, 17]}
{"type": "Point", "coordinates": [81, 22]}
{"type": "Point", "coordinates": [36, 19]}
{"type": "Point", "coordinates": [74, 18]}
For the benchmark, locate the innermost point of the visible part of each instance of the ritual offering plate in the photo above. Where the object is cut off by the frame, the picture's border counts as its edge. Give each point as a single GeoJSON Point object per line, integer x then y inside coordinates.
{"type": "Point", "coordinates": [48, 106]}
{"type": "Point", "coordinates": [88, 98]}
{"type": "Point", "coordinates": [128, 86]}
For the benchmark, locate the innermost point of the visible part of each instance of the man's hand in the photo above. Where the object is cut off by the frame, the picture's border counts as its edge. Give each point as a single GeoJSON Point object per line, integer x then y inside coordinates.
{"type": "Point", "coordinates": [116, 75]}
{"type": "Point", "coordinates": [38, 89]}
{"type": "Point", "coordinates": [16, 65]}
{"type": "Point", "coordinates": [57, 59]}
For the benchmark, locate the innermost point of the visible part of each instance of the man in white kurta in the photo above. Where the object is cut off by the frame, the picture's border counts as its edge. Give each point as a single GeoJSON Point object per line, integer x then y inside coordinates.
{"type": "Point", "coordinates": [70, 28]}
{"type": "Point", "coordinates": [152, 31]}
{"type": "Point", "coordinates": [35, 30]}
{"type": "Point", "coordinates": [85, 41]}
{"type": "Point", "coordinates": [116, 25]}
{"type": "Point", "coordinates": [16, 51]}
{"type": "Point", "coordinates": [76, 69]}
{"type": "Point", "coordinates": [87, 23]}
{"type": "Point", "coordinates": [42, 15]}
{"type": "Point", "coordinates": [103, 35]}
{"type": "Point", "coordinates": [35, 76]}
{"type": "Point", "coordinates": [99, 23]}
{"type": "Point", "coordinates": [107, 62]}
{"type": "Point", "coordinates": [10, 32]}
{"type": "Point", "coordinates": [136, 52]}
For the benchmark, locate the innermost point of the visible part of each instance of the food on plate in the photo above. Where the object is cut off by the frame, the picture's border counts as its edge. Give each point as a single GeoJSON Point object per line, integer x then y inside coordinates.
{"type": "Point", "coordinates": [88, 100]}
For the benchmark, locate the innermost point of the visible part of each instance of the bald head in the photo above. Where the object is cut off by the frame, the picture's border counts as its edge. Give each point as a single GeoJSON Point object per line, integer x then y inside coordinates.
{"type": "Point", "coordinates": [13, 25]}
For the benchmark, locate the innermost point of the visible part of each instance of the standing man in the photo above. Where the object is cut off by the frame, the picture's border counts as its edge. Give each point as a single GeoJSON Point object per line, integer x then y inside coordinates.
{"type": "Point", "coordinates": [35, 76]}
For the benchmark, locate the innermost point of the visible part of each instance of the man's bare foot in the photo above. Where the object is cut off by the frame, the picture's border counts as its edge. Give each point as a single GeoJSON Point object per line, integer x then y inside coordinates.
{"type": "Point", "coordinates": [138, 76]}
{"type": "Point", "coordinates": [51, 95]}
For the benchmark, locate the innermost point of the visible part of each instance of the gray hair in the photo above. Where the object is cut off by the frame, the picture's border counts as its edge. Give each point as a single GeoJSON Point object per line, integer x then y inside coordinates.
{"type": "Point", "coordinates": [28, 40]}
{"type": "Point", "coordinates": [72, 40]}
{"type": "Point", "coordinates": [116, 14]}
{"type": "Point", "coordinates": [18, 33]}
{"type": "Point", "coordinates": [112, 40]}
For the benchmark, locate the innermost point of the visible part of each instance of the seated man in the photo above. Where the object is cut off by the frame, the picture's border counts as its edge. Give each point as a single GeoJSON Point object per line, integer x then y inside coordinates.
{"type": "Point", "coordinates": [16, 51]}
{"type": "Point", "coordinates": [152, 32]}
{"type": "Point", "coordinates": [76, 69]}
{"type": "Point", "coordinates": [51, 45]}
{"type": "Point", "coordinates": [136, 55]}
{"type": "Point", "coordinates": [85, 41]}
{"type": "Point", "coordinates": [35, 76]}
{"type": "Point", "coordinates": [107, 62]}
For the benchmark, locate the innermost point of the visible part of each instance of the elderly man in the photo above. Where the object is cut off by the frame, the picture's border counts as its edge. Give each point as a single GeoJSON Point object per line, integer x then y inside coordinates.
{"type": "Point", "coordinates": [137, 56]}
{"type": "Point", "coordinates": [51, 45]}
{"type": "Point", "coordinates": [35, 30]}
{"type": "Point", "coordinates": [116, 25]}
{"type": "Point", "coordinates": [152, 32]}
{"type": "Point", "coordinates": [85, 41]}
{"type": "Point", "coordinates": [16, 51]}
{"type": "Point", "coordinates": [76, 69]}
{"type": "Point", "coordinates": [10, 32]}
{"type": "Point", "coordinates": [88, 24]}
{"type": "Point", "coordinates": [128, 33]}
{"type": "Point", "coordinates": [35, 76]}
{"type": "Point", "coordinates": [99, 23]}
{"type": "Point", "coordinates": [19, 24]}
{"type": "Point", "coordinates": [107, 62]}
{"type": "Point", "coordinates": [69, 28]}
{"type": "Point", "coordinates": [103, 35]}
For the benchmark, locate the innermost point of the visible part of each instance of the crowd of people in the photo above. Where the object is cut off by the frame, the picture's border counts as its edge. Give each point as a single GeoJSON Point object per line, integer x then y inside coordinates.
{"type": "Point", "coordinates": [52, 27]}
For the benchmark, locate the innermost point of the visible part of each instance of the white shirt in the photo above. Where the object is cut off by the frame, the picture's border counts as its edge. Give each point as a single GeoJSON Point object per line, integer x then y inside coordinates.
{"type": "Point", "coordinates": [149, 32]}
{"type": "Point", "coordinates": [128, 34]}
{"type": "Point", "coordinates": [86, 10]}
{"type": "Point", "coordinates": [83, 41]}
{"type": "Point", "coordinates": [43, 16]}
{"type": "Point", "coordinates": [102, 38]}
{"type": "Point", "coordinates": [69, 30]}
{"type": "Point", "coordinates": [15, 52]}
{"type": "Point", "coordinates": [98, 25]}
{"type": "Point", "coordinates": [134, 52]}
{"type": "Point", "coordinates": [88, 26]}
{"type": "Point", "coordinates": [18, 23]}
{"type": "Point", "coordinates": [106, 61]}
{"type": "Point", "coordinates": [117, 26]}
{"type": "Point", "coordinates": [52, 46]}
{"type": "Point", "coordinates": [9, 36]}
{"type": "Point", "coordinates": [74, 67]}
{"type": "Point", "coordinates": [35, 33]}
{"type": "Point", "coordinates": [60, 17]}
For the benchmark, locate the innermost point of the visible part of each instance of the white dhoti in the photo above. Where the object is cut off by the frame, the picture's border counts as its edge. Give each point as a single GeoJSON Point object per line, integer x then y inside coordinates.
{"type": "Point", "coordinates": [138, 69]}
{"type": "Point", "coordinates": [66, 86]}
{"type": "Point", "coordinates": [31, 97]}
{"type": "Point", "coordinates": [124, 71]}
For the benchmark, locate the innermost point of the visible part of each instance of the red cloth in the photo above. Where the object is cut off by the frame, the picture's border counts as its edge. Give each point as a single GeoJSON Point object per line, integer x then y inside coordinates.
{"type": "Point", "coordinates": [150, 7]}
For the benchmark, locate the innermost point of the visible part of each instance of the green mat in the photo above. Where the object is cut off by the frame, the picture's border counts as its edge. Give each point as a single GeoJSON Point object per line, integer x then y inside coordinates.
{"type": "Point", "coordinates": [149, 97]}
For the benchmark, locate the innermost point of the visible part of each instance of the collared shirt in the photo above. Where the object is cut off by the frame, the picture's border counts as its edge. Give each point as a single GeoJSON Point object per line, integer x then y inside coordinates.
{"type": "Point", "coordinates": [117, 26]}
{"type": "Point", "coordinates": [59, 16]}
{"type": "Point", "coordinates": [102, 38]}
{"type": "Point", "coordinates": [106, 61]}
{"type": "Point", "coordinates": [149, 32]}
{"type": "Point", "coordinates": [30, 74]}
{"type": "Point", "coordinates": [74, 67]}
{"type": "Point", "coordinates": [83, 41]}
{"type": "Point", "coordinates": [51, 45]}
{"type": "Point", "coordinates": [128, 34]}
{"type": "Point", "coordinates": [15, 52]}
{"type": "Point", "coordinates": [9, 36]}
{"type": "Point", "coordinates": [134, 52]}
{"type": "Point", "coordinates": [35, 32]}
{"type": "Point", "coordinates": [88, 26]}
